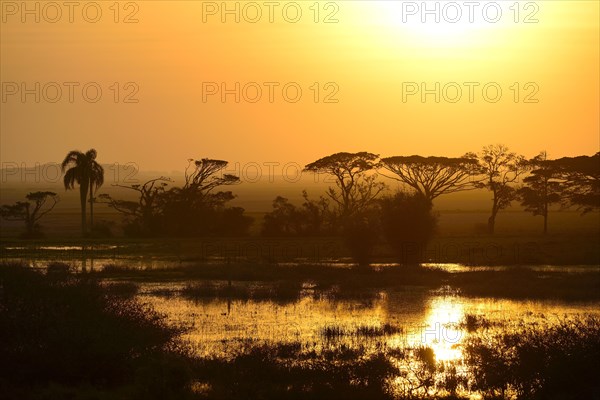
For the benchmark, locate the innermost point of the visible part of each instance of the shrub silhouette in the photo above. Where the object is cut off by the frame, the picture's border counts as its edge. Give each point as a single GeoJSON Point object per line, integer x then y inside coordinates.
{"type": "Point", "coordinates": [313, 218]}
{"type": "Point", "coordinates": [197, 208]}
{"type": "Point", "coordinates": [408, 224]}
{"type": "Point", "coordinates": [360, 233]}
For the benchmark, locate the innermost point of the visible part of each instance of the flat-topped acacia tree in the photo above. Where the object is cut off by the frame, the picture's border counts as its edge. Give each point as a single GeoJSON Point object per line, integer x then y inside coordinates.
{"type": "Point", "coordinates": [580, 178]}
{"type": "Point", "coordinates": [202, 176]}
{"type": "Point", "coordinates": [356, 189]}
{"type": "Point", "coordinates": [354, 195]}
{"type": "Point", "coordinates": [432, 177]}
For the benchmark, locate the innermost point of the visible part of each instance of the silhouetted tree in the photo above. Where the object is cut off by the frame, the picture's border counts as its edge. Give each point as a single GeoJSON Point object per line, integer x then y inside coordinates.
{"type": "Point", "coordinates": [143, 214]}
{"type": "Point", "coordinates": [353, 196]}
{"type": "Point", "coordinates": [82, 168]}
{"type": "Point", "coordinates": [542, 189]}
{"type": "Point", "coordinates": [284, 220]}
{"type": "Point", "coordinates": [203, 176]}
{"type": "Point", "coordinates": [434, 176]}
{"type": "Point", "coordinates": [317, 215]}
{"type": "Point", "coordinates": [501, 169]}
{"type": "Point", "coordinates": [197, 208]}
{"type": "Point", "coordinates": [355, 189]}
{"type": "Point", "coordinates": [408, 225]}
{"type": "Point", "coordinates": [31, 211]}
{"type": "Point", "coordinates": [581, 180]}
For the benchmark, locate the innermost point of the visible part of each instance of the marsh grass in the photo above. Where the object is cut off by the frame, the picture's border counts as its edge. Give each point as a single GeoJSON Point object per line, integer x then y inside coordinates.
{"type": "Point", "coordinates": [123, 289]}
{"type": "Point", "coordinates": [362, 331]}
{"type": "Point", "coordinates": [119, 268]}
{"type": "Point", "coordinates": [296, 371]}
{"type": "Point", "coordinates": [473, 322]}
{"type": "Point", "coordinates": [558, 360]}
{"type": "Point", "coordinates": [278, 291]}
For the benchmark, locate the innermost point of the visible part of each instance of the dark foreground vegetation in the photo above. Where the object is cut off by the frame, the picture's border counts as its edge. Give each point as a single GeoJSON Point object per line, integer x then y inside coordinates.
{"type": "Point", "coordinates": [549, 362]}
{"type": "Point", "coordinates": [67, 336]}
{"type": "Point", "coordinates": [75, 336]}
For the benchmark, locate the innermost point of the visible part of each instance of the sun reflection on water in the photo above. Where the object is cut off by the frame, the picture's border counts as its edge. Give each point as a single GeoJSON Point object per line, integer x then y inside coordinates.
{"type": "Point", "coordinates": [441, 329]}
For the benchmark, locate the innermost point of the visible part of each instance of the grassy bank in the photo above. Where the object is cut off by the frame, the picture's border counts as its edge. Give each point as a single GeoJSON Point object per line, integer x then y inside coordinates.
{"type": "Point", "coordinates": [501, 249]}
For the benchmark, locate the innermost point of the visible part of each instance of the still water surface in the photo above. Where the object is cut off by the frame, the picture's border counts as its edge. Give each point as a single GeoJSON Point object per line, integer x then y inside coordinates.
{"type": "Point", "coordinates": [220, 327]}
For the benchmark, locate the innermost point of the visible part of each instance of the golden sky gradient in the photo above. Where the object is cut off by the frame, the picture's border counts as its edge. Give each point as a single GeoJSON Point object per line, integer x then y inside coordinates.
{"type": "Point", "coordinates": [373, 52]}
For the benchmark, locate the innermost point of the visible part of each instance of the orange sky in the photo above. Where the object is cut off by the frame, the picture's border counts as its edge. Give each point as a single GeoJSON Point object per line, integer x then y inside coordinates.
{"type": "Point", "coordinates": [373, 50]}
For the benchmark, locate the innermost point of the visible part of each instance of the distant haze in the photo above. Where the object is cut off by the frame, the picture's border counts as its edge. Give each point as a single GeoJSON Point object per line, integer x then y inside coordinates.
{"type": "Point", "coordinates": [255, 192]}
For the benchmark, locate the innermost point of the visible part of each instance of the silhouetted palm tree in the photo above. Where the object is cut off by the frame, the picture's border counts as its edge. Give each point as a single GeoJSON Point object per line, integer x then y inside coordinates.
{"type": "Point", "coordinates": [85, 171]}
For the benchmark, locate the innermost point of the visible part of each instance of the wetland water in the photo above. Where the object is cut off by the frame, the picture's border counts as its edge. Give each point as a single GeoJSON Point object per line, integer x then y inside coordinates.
{"type": "Point", "coordinates": [391, 320]}
{"type": "Point", "coordinates": [399, 320]}
{"type": "Point", "coordinates": [429, 318]}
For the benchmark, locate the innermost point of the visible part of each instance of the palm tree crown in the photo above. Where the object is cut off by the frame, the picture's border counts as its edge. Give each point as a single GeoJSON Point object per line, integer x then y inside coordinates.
{"type": "Point", "coordinates": [84, 170]}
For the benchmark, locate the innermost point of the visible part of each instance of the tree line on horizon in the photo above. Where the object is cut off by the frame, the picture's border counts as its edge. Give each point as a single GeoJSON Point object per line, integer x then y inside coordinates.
{"type": "Point", "coordinates": [358, 206]}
